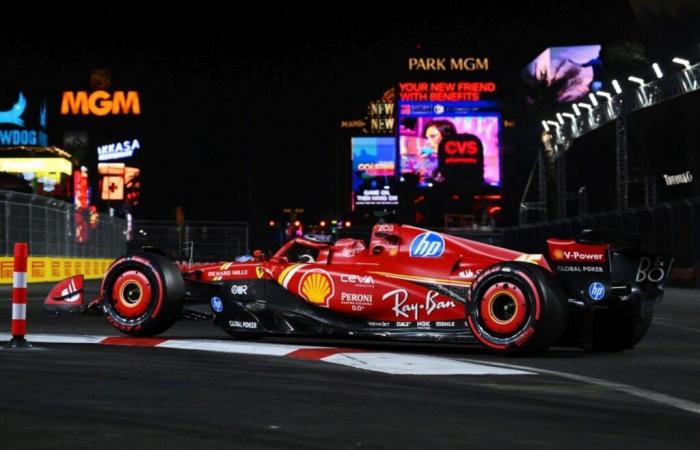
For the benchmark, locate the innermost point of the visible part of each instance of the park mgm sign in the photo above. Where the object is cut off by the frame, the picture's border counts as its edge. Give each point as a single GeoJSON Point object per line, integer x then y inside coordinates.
{"type": "Point", "coordinates": [467, 64]}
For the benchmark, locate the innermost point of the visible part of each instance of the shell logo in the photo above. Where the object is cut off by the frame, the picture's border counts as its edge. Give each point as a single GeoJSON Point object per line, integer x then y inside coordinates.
{"type": "Point", "coordinates": [558, 254]}
{"type": "Point", "coordinates": [316, 287]}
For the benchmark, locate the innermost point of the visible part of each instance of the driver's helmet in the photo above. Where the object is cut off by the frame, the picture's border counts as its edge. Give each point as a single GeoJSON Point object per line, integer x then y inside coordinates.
{"type": "Point", "coordinates": [348, 247]}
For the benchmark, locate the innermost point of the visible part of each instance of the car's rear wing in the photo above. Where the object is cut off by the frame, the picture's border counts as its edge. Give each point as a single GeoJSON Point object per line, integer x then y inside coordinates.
{"type": "Point", "coordinates": [623, 240]}
{"type": "Point", "coordinates": [604, 265]}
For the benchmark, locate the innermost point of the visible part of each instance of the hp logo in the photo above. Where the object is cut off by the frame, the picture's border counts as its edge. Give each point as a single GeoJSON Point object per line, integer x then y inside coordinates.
{"type": "Point", "coordinates": [427, 245]}
{"type": "Point", "coordinates": [596, 291]}
{"type": "Point", "coordinates": [216, 304]}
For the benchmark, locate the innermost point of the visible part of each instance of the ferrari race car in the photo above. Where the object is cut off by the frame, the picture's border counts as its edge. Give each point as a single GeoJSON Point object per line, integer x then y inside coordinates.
{"type": "Point", "coordinates": [596, 292]}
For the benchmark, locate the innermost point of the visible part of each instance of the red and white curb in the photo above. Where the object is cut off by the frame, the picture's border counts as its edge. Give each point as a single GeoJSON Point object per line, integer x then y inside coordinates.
{"type": "Point", "coordinates": [384, 362]}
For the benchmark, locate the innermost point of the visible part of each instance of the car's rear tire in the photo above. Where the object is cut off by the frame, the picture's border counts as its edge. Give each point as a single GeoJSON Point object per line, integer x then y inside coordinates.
{"type": "Point", "coordinates": [614, 331]}
{"type": "Point", "coordinates": [516, 307]}
{"type": "Point", "coordinates": [142, 294]}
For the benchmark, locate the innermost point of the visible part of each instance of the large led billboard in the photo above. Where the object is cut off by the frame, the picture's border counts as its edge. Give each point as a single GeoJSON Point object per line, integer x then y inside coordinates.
{"type": "Point", "coordinates": [373, 171]}
{"type": "Point", "coordinates": [22, 119]}
{"type": "Point", "coordinates": [426, 153]}
{"type": "Point", "coordinates": [47, 176]}
{"type": "Point", "coordinates": [574, 71]}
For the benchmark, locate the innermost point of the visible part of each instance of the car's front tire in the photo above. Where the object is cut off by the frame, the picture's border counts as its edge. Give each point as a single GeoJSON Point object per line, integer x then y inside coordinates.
{"type": "Point", "coordinates": [142, 294]}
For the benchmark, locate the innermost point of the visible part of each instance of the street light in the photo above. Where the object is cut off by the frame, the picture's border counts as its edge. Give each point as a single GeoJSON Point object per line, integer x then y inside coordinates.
{"type": "Point", "coordinates": [605, 95]}
{"type": "Point", "coordinates": [683, 62]}
{"type": "Point", "coordinates": [576, 110]}
{"type": "Point", "coordinates": [588, 107]}
{"type": "Point", "coordinates": [545, 126]}
{"type": "Point", "coordinates": [616, 86]}
{"type": "Point", "coordinates": [594, 101]}
{"type": "Point", "coordinates": [637, 80]}
{"type": "Point", "coordinates": [657, 70]}
{"type": "Point", "coordinates": [554, 124]}
{"type": "Point", "coordinates": [560, 118]}
{"type": "Point", "coordinates": [574, 126]}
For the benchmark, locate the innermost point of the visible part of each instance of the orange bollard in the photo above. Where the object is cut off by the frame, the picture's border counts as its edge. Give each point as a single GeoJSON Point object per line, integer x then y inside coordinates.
{"type": "Point", "coordinates": [19, 297]}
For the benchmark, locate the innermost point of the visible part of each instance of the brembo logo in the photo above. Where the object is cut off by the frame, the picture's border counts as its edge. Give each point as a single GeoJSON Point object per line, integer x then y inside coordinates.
{"type": "Point", "coordinates": [563, 255]}
{"type": "Point", "coordinates": [100, 103]}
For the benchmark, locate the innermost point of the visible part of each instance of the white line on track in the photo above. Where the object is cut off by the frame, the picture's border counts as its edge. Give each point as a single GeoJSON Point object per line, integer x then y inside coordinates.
{"type": "Point", "coordinates": [673, 325]}
{"type": "Point", "coordinates": [675, 402]}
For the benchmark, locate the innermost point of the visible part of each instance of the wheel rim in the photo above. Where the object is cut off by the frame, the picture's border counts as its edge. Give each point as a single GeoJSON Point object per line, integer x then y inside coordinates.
{"type": "Point", "coordinates": [503, 309]}
{"type": "Point", "coordinates": [131, 294]}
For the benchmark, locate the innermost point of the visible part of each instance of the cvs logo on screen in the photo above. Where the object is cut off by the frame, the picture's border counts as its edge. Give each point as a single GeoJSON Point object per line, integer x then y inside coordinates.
{"type": "Point", "coordinates": [462, 149]}
{"type": "Point", "coordinates": [427, 245]}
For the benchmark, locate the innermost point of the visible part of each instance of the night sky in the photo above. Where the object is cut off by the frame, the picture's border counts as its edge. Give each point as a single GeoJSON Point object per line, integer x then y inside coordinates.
{"type": "Point", "coordinates": [247, 106]}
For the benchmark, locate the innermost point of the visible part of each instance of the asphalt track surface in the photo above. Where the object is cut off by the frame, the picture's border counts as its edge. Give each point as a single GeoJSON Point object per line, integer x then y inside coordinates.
{"type": "Point", "coordinates": [87, 396]}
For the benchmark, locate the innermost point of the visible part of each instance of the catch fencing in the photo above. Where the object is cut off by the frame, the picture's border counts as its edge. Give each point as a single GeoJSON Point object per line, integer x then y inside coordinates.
{"type": "Point", "coordinates": [208, 241]}
{"type": "Point", "coordinates": [55, 228]}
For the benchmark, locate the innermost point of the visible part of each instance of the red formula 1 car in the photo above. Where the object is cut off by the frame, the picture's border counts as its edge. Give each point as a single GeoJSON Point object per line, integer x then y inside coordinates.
{"type": "Point", "coordinates": [596, 292]}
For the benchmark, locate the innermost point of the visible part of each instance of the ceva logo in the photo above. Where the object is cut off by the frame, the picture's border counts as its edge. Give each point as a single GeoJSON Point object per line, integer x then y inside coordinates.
{"type": "Point", "coordinates": [100, 103]}
{"type": "Point", "coordinates": [14, 114]}
{"type": "Point", "coordinates": [427, 245]}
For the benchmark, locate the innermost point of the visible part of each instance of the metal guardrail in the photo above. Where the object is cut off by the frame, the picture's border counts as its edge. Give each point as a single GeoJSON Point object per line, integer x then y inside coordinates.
{"type": "Point", "coordinates": [54, 228]}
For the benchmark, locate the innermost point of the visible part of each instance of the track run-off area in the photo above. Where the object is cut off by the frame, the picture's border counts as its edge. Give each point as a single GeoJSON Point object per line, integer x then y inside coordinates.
{"type": "Point", "coordinates": [84, 385]}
